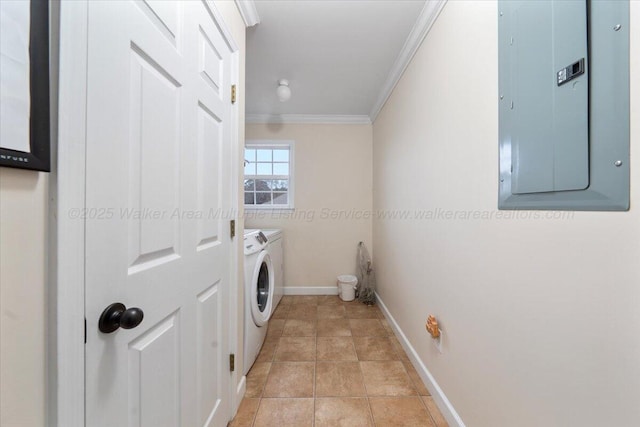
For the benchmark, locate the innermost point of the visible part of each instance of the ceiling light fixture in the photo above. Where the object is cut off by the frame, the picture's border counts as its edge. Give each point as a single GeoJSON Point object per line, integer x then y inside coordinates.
{"type": "Point", "coordinates": [283, 91]}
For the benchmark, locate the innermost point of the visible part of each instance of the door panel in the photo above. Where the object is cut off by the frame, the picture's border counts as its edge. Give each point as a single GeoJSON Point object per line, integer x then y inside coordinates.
{"type": "Point", "coordinates": [154, 145]}
{"type": "Point", "coordinates": [209, 360]}
{"type": "Point", "coordinates": [209, 136]}
{"type": "Point", "coordinates": [165, 14]}
{"type": "Point", "coordinates": [158, 163]}
{"type": "Point", "coordinates": [211, 63]}
{"type": "Point", "coordinates": [155, 400]}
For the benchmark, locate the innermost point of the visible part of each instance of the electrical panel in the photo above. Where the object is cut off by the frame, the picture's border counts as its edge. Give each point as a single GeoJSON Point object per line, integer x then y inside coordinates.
{"type": "Point", "coordinates": [564, 104]}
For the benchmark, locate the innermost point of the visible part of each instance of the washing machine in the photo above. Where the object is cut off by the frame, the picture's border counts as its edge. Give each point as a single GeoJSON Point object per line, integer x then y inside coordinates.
{"type": "Point", "coordinates": [259, 280]}
{"type": "Point", "coordinates": [274, 247]}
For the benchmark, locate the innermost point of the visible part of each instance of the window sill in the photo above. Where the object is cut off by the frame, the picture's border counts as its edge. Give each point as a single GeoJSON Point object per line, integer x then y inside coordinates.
{"type": "Point", "coordinates": [269, 208]}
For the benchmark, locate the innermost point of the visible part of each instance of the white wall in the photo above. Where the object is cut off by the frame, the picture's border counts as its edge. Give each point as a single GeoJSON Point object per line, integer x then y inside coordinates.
{"type": "Point", "coordinates": [541, 316]}
{"type": "Point", "coordinates": [332, 186]}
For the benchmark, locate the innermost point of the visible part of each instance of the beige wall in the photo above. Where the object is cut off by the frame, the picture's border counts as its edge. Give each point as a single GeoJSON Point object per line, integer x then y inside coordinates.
{"type": "Point", "coordinates": [23, 297]}
{"type": "Point", "coordinates": [541, 316]}
{"type": "Point", "coordinates": [332, 187]}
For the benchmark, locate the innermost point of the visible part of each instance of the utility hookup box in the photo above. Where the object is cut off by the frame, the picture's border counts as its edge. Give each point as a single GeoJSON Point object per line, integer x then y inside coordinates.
{"type": "Point", "coordinates": [563, 104]}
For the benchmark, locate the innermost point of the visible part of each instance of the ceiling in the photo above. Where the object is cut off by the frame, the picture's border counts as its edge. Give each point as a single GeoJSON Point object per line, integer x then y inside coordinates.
{"type": "Point", "coordinates": [336, 54]}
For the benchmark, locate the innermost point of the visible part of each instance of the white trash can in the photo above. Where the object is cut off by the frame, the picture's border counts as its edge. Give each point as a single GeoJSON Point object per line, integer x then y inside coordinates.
{"type": "Point", "coordinates": [347, 287]}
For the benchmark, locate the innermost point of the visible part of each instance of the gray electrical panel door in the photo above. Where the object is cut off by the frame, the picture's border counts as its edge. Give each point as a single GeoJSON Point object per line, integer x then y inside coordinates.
{"type": "Point", "coordinates": [563, 104]}
{"type": "Point", "coordinates": [548, 101]}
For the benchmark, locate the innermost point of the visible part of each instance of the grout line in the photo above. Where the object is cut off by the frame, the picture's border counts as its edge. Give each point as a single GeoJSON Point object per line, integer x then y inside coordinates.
{"type": "Point", "coordinates": [255, 415]}
{"type": "Point", "coordinates": [315, 369]}
{"type": "Point", "coordinates": [366, 392]}
{"type": "Point", "coordinates": [433, 420]}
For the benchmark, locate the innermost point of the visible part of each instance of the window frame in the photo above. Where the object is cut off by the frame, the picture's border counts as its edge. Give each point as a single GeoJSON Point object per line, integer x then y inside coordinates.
{"type": "Point", "coordinates": [272, 144]}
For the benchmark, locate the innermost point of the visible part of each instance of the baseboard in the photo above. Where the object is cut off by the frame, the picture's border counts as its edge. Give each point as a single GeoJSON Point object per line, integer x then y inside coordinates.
{"type": "Point", "coordinates": [311, 290]}
{"type": "Point", "coordinates": [445, 406]}
{"type": "Point", "coordinates": [240, 391]}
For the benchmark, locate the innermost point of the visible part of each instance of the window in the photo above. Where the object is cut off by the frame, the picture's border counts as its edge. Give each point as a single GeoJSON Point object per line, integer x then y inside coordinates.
{"type": "Point", "coordinates": [268, 174]}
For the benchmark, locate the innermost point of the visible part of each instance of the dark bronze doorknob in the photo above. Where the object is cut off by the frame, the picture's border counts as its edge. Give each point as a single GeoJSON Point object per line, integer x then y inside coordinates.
{"type": "Point", "coordinates": [118, 316]}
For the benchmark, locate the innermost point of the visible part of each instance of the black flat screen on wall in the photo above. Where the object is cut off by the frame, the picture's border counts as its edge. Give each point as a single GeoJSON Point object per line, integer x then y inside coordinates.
{"type": "Point", "coordinates": [34, 152]}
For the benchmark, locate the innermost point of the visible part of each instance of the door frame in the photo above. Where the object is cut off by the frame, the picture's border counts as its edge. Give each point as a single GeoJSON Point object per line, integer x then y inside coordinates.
{"type": "Point", "coordinates": [66, 330]}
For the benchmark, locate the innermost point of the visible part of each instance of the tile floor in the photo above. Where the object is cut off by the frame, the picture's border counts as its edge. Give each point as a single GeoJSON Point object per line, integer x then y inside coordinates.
{"type": "Point", "coordinates": [328, 363]}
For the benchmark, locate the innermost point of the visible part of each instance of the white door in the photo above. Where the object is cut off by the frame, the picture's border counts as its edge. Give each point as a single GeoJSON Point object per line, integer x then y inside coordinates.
{"type": "Point", "coordinates": [159, 147]}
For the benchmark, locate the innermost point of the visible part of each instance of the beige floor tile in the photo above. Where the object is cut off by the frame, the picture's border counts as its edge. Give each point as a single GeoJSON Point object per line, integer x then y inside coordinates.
{"type": "Point", "coordinates": [306, 299]}
{"type": "Point", "coordinates": [285, 413]}
{"type": "Point", "coordinates": [286, 300]}
{"type": "Point", "coordinates": [415, 378]}
{"type": "Point", "coordinates": [375, 348]}
{"type": "Point", "coordinates": [299, 328]}
{"type": "Point", "coordinates": [281, 312]}
{"type": "Point", "coordinates": [267, 351]}
{"type": "Point", "coordinates": [275, 327]}
{"type": "Point", "coordinates": [303, 311]}
{"type": "Point", "coordinates": [290, 379]}
{"type": "Point", "coordinates": [331, 312]}
{"type": "Point", "coordinates": [269, 338]}
{"type": "Point", "coordinates": [292, 349]}
{"type": "Point", "coordinates": [435, 413]}
{"type": "Point", "coordinates": [401, 353]}
{"type": "Point", "coordinates": [246, 413]}
{"type": "Point", "coordinates": [350, 305]}
{"type": "Point", "coordinates": [342, 412]}
{"type": "Point", "coordinates": [363, 312]}
{"type": "Point", "coordinates": [334, 379]}
{"type": "Point", "coordinates": [256, 379]}
{"type": "Point", "coordinates": [367, 328]}
{"type": "Point", "coordinates": [340, 352]}
{"type": "Point", "coordinates": [399, 412]}
{"type": "Point", "coordinates": [386, 326]}
{"type": "Point", "coordinates": [329, 300]}
{"type": "Point", "coordinates": [334, 328]}
{"type": "Point", "coordinates": [335, 348]}
{"type": "Point", "coordinates": [387, 378]}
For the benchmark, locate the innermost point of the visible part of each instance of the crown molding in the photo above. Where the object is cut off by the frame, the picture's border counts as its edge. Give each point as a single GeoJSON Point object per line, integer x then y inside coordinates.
{"type": "Point", "coordinates": [427, 17]}
{"type": "Point", "coordinates": [248, 12]}
{"type": "Point", "coordinates": [324, 119]}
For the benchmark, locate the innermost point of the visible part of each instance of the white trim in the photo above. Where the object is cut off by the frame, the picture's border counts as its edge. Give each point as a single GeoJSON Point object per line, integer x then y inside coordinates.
{"type": "Point", "coordinates": [445, 406]}
{"type": "Point", "coordinates": [311, 290]}
{"type": "Point", "coordinates": [241, 389]}
{"type": "Point", "coordinates": [428, 16]}
{"type": "Point", "coordinates": [248, 12]}
{"type": "Point", "coordinates": [321, 119]}
{"type": "Point", "coordinates": [274, 144]}
{"type": "Point", "coordinates": [235, 282]}
{"type": "Point", "coordinates": [67, 235]}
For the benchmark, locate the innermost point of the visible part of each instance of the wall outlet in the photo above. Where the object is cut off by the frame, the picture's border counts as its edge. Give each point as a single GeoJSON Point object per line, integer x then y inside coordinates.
{"type": "Point", "coordinates": [434, 330]}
